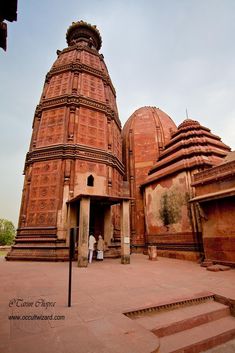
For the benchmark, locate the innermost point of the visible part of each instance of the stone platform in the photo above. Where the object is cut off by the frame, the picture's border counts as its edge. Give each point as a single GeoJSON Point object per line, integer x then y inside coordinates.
{"type": "Point", "coordinates": [101, 294]}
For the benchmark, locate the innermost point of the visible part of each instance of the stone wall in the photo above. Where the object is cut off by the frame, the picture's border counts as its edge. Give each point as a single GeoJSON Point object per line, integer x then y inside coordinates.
{"type": "Point", "coordinates": [169, 217]}
{"type": "Point", "coordinates": [215, 194]}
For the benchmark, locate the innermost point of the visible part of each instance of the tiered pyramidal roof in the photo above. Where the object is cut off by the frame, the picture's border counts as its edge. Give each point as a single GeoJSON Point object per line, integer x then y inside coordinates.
{"type": "Point", "coordinates": [192, 146]}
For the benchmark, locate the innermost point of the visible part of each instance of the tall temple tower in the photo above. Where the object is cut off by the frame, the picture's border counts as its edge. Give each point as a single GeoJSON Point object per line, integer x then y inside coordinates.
{"type": "Point", "coordinates": [73, 170]}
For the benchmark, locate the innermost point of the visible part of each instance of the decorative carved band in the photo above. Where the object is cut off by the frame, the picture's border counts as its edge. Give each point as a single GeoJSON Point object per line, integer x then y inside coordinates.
{"type": "Point", "coordinates": [80, 46]}
{"type": "Point", "coordinates": [76, 100]}
{"type": "Point", "coordinates": [37, 231]}
{"type": "Point", "coordinates": [79, 67]}
{"type": "Point", "coordinates": [178, 247]}
{"type": "Point", "coordinates": [218, 172]}
{"type": "Point", "coordinates": [74, 152]}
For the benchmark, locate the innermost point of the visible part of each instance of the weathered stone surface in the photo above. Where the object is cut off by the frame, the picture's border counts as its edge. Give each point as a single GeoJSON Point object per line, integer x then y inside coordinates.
{"type": "Point", "coordinates": [217, 267]}
{"type": "Point", "coordinates": [125, 259]}
{"type": "Point", "coordinates": [224, 268]}
{"type": "Point", "coordinates": [213, 268]}
{"type": "Point", "coordinates": [172, 223]}
{"type": "Point", "coordinates": [206, 263]}
{"type": "Point", "coordinates": [215, 194]}
{"type": "Point", "coordinates": [152, 253]}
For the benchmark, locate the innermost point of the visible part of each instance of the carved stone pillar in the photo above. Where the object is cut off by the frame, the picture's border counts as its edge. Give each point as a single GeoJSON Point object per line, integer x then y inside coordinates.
{"type": "Point", "coordinates": [79, 82]}
{"type": "Point", "coordinates": [109, 180]}
{"type": "Point", "coordinates": [36, 124]}
{"type": "Point", "coordinates": [71, 123]}
{"type": "Point", "coordinates": [75, 84]}
{"type": "Point", "coordinates": [109, 134]}
{"type": "Point", "coordinates": [125, 232]}
{"type": "Point", "coordinates": [84, 219]}
{"type": "Point", "coordinates": [107, 225]}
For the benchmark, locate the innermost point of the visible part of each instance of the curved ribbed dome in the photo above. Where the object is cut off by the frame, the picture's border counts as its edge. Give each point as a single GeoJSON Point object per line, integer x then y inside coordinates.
{"type": "Point", "coordinates": [145, 134]}
{"type": "Point", "coordinates": [150, 121]}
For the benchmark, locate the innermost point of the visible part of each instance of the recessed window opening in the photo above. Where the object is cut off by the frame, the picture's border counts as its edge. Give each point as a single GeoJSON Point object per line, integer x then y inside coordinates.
{"type": "Point", "coordinates": [90, 180]}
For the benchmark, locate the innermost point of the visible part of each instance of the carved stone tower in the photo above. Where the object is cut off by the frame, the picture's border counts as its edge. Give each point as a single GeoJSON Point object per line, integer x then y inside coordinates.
{"type": "Point", "coordinates": [73, 170]}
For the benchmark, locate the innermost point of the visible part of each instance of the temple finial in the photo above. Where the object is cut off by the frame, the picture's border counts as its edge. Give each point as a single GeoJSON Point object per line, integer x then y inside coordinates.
{"type": "Point", "coordinates": [186, 113]}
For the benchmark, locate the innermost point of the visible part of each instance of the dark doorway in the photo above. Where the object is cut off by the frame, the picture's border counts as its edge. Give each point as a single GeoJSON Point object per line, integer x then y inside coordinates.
{"type": "Point", "coordinates": [96, 226]}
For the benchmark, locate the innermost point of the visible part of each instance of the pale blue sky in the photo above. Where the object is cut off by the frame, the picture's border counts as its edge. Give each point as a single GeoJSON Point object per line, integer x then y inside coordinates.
{"type": "Point", "coordinates": [171, 54]}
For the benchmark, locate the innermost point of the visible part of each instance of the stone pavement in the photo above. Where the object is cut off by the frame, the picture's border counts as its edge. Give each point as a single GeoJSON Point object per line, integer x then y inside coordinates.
{"type": "Point", "coordinates": [100, 294]}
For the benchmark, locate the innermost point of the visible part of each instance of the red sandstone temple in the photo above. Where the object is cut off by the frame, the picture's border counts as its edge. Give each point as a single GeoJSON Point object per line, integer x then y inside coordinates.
{"type": "Point", "coordinates": [148, 184]}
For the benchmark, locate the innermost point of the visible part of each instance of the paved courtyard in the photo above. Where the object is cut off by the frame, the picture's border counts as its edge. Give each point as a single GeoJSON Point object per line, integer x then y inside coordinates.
{"type": "Point", "coordinates": [101, 293]}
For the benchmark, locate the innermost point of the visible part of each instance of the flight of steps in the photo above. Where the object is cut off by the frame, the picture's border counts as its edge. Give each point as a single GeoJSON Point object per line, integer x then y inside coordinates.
{"type": "Point", "coordinates": [38, 249]}
{"type": "Point", "coordinates": [188, 326]}
{"type": "Point", "coordinates": [228, 347]}
{"type": "Point", "coordinates": [113, 250]}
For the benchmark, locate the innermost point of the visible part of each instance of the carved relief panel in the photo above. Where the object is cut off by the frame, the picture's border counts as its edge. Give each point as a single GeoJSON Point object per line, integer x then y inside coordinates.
{"type": "Point", "coordinates": [90, 60]}
{"type": "Point", "coordinates": [51, 129]}
{"type": "Point", "coordinates": [65, 58]}
{"type": "Point", "coordinates": [111, 99]}
{"type": "Point", "coordinates": [44, 193]}
{"type": "Point", "coordinates": [92, 87]}
{"type": "Point", "coordinates": [92, 128]}
{"type": "Point", "coordinates": [58, 85]}
{"type": "Point", "coordinates": [117, 142]}
{"type": "Point", "coordinates": [116, 182]}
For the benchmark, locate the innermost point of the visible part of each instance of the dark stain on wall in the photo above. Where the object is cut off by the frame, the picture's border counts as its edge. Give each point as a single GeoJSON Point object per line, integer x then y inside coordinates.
{"type": "Point", "coordinates": [170, 206]}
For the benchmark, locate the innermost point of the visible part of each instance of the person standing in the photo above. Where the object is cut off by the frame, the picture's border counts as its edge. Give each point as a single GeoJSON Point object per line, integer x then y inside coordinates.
{"type": "Point", "coordinates": [91, 245]}
{"type": "Point", "coordinates": [100, 248]}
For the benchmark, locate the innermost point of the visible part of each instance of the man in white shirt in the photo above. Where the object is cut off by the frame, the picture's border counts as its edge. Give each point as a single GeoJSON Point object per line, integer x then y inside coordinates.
{"type": "Point", "coordinates": [91, 244]}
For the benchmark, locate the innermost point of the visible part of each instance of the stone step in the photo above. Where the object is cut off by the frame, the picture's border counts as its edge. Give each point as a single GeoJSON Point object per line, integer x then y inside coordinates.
{"type": "Point", "coordinates": [37, 258]}
{"type": "Point", "coordinates": [38, 253]}
{"type": "Point", "coordinates": [173, 304]}
{"type": "Point", "coordinates": [115, 245]}
{"type": "Point", "coordinates": [176, 320]}
{"type": "Point", "coordinates": [199, 338]}
{"type": "Point", "coordinates": [36, 235]}
{"type": "Point", "coordinates": [37, 240]}
{"type": "Point", "coordinates": [113, 252]}
{"type": "Point", "coordinates": [40, 246]}
{"type": "Point", "coordinates": [228, 347]}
